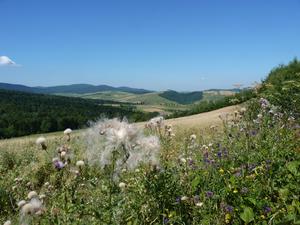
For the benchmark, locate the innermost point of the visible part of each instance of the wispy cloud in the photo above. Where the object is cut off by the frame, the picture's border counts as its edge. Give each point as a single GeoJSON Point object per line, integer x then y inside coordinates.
{"type": "Point", "coordinates": [5, 61]}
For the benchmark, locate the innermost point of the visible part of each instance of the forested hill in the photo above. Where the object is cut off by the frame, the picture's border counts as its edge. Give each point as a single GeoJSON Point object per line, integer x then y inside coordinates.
{"type": "Point", "coordinates": [26, 113]}
{"type": "Point", "coordinates": [73, 88]}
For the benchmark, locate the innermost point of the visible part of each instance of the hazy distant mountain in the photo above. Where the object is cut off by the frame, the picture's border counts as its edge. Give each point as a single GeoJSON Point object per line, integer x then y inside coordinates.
{"type": "Point", "coordinates": [73, 88]}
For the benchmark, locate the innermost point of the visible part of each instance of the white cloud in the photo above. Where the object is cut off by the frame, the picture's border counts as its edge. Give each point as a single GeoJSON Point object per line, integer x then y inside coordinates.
{"type": "Point", "coordinates": [5, 61]}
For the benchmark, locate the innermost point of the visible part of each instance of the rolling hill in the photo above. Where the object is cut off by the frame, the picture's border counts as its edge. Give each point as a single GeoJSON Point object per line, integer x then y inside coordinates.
{"type": "Point", "coordinates": [71, 89]}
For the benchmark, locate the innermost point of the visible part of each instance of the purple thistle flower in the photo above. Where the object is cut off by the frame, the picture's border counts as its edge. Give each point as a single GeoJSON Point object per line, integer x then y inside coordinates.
{"type": "Point", "coordinates": [59, 165]}
{"type": "Point", "coordinates": [166, 220]}
{"type": "Point", "coordinates": [229, 209]}
{"type": "Point", "coordinates": [209, 194]}
{"type": "Point", "coordinates": [267, 209]}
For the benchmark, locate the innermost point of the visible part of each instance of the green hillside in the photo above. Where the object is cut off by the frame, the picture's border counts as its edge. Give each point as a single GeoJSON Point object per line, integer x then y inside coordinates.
{"type": "Point", "coordinates": [25, 113]}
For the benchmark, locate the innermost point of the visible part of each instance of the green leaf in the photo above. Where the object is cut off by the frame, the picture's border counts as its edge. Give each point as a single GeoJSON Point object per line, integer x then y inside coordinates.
{"type": "Point", "coordinates": [247, 216]}
{"type": "Point", "coordinates": [293, 167]}
{"type": "Point", "coordinates": [252, 200]}
{"type": "Point", "coordinates": [195, 182]}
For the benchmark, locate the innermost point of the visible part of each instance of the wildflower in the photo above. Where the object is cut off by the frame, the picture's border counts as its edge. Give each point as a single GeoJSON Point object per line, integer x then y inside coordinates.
{"type": "Point", "coordinates": [227, 218]}
{"type": "Point", "coordinates": [183, 160]}
{"type": "Point", "coordinates": [264, 103]}
{"type": "Point", "coordinates": [235, 191]}
{"type": "Point", "coordinates": [155, 123]}
{"type": "Point", "coordinates": [184, 198]}
{"type": "Point", "coordinates": [21, 203]}
{"type": "Point", "coordinates": [27, 209]}
{"type": "Point", "coordinates": [33, 207]}
{"type": "Point", "coordinates": [63, 155]}
{"type": "Point", "coordinates": [193, 137]}
{"type": "Point", "coordinates": [199, 204]}
{"type": "Point", "coordinates": [68, 132]}
{"type": "Point", "coordinates": [58, 164]}
{"type": "Point", "coordinates": [8, 222]}
{"type": "Point", "coordinates": [122, 140]}
{"type": "Point", "coordinates": [221, 171]}
{"type": "Point", "coordinates": [166, 220]}
{"type": "Point", "coordinates": [122, 185]}
{"type": "Point", "coordinates": [243, 110]}
{"type": "Point", "coordinates": [42, 196]}
{"type": "Point", "coordinates": [80, 163]}
{"type": "Point", "coordinates": [41, 141]}
{"type": "Point", "coordinates": [229, 209]}
{"type": "Point", "coordinates": [178, 199]}
{"type": "Point", "coordinates": [32, 194]}
{"type": "Point", "coordinates": [209, 194]}
{"type": "Point", "coordinates": [267, 209]}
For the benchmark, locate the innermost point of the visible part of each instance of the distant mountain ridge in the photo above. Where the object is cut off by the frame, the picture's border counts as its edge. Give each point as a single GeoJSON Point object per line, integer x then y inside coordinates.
{"type": "Point", "coordinates": [73, 88]}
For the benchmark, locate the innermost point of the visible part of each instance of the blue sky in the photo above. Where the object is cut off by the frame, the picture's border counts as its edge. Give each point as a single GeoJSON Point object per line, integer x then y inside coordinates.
{"type": "Point", "coordinates": [155, 44]}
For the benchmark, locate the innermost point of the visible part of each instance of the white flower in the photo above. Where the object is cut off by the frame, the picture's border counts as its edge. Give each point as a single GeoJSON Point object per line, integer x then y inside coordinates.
{"type": "Point", "coordinates": [184, 198]}
{"type": "Point", "coordinates": [47, 184]}
{"type": "Point", "coordinates": [259, 116]}
{"type": "Point", "coordinates": [183, 160]}
{"type": "Point", "coordinates": [199, 204]}
{"type": "Point", "coordinates": [122, 185]}
{"type": "Point", "coordinates": [21, 203]}
{"type": "Point", "coordinates": [128, 140]}
{"type": "Point", "coordinates": [68, 131]}
{"type": "Point", "coordinates": [32, 194]}
{"type": "Point", "coordinates": [243, 109]}
{"type": "Point", "coordinates": [193, 137]}
{"type": "Point", "coordinates": [40, 141]}
{"type": "Point", "coordinates": [32, 207]}
{"type": "Point", "coordinates": [42, 196]}
{"type": "Point", "coordinates": [63, 154]}
{"type": "Point", "coordinates": [80, 163]}
{"type": "Point", "coordinates": [27, 209]}
{"type": "Point", "coordinates": [8, 222]}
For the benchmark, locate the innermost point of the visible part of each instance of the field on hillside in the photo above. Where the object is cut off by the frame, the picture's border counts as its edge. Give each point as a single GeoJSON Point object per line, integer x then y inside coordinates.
{"type": "Point", "coordinates": [151, 102]}
{"type": "Point", "coordinates": [118, 173]}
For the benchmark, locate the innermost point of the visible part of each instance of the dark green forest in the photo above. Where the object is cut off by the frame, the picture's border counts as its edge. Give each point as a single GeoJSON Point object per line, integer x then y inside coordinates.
{"type": "Point", "coordinates": [182, 98]}
{"type": "Point", "coordinates": [25, 113]}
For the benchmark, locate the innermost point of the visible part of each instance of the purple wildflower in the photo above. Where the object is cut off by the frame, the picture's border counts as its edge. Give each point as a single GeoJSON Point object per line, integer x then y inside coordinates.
{"type": "Point", "coordinates": [166, 220]}
{"type": "Point", "coordinates": [267, 209]}
{"type": "Point", "coordinates": [229, 209]}
{"type": "Point", "coordinates": [209, 194]}
{"type": "Point", "coordinates": [59, 164]}
{"type": "Point", "coordinates": [178, 199]}
{"type": "Point", "coordinates": [219, 154]}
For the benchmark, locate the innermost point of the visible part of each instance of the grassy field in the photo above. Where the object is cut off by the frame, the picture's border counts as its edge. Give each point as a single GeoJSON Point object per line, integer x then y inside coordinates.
{"type": "Point", "coordinates": [150, 102]}
{"type": "Point", "coordinates": [190, 173]}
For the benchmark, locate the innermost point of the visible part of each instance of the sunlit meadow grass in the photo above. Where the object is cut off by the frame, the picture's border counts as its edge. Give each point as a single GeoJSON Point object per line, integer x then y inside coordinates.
{"type": "Point", "coordinates": [248, 173]}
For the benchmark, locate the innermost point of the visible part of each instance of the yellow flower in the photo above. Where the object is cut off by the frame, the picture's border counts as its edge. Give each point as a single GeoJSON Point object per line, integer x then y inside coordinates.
{"type": "Point", "coordinates": [221, 171]}
{"type": "Point", "coordinates": [262, 217]}
{"type": "Point", "coordinates": [227, 218]}
{"type": "Point", "coordinates": [235, 191]}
